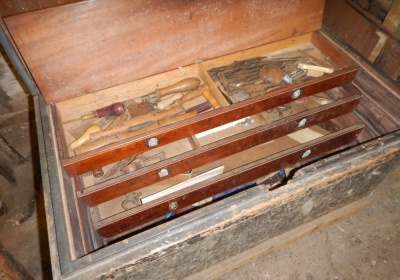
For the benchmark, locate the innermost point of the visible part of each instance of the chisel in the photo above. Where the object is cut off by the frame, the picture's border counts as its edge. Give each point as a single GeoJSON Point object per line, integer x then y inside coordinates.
{"type": "Point", "coordinates": [181, 86]}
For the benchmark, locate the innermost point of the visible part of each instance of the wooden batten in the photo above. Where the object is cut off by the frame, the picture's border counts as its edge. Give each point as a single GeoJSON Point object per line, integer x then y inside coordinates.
{"type": "Point", "coordinates": [92, 45]}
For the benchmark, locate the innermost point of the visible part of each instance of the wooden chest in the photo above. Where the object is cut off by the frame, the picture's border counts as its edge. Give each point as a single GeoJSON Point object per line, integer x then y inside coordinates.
{"type": "Point", "coordinates": [240, 120]}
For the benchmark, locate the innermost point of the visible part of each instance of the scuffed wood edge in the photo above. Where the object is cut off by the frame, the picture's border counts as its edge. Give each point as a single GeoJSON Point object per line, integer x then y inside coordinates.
{"type": "Point", "coordinates": [280, 241]}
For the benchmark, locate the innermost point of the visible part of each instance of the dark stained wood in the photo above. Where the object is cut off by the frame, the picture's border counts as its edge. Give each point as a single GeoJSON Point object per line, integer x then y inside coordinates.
{"type": "Point", "coordinates": [247, 173]}
{"type": "Point", "coordinates": [136, 145]}
{"type": "Point", "coordinates": [89, 46]}
{"type": "Point", "coordinates": [334, 53]}
{"type": "Point", "coordinates": [388, 59]}
{"type": "Point", "coordinates": [358, 29]}
{"type": "Point", "coordinates": [133, 181]}
{"type": "Point", "coordinates": [351, 26]}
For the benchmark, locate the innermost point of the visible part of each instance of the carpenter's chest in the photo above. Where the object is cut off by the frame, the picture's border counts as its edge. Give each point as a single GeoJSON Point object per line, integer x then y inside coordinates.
{"type": "Point", "coordinates": [173, 131]}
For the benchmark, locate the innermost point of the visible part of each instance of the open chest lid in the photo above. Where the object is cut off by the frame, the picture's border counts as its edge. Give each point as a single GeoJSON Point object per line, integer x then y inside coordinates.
{"type": "Point", "coordinates": [88, 46]}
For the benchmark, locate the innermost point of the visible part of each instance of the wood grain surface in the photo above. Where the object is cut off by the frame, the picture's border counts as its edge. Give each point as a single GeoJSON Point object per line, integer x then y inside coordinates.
{"type": "Point", "coordinates": [145, 213]}
{"type": "Point", "coordinates": [91, 45]}
{"type": "Point", "coordinates": [136, 145]}
{"type": "Point", "coordinates": [133, 181]}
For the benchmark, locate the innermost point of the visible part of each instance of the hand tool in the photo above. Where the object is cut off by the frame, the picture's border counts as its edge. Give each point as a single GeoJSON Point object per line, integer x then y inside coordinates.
{"type": "Point", "coordinates": [294, 76]}
{"type": "Point", "coordinates": [150, 116]}
{"type": "Point", "coordinates": [84, 137]}
{"type": "Point", "coordinates": [79, 128]}
{"type": "Point", "coordinates": [180, 98]}
{"type": "Point", "coordinates": [98, 172]}
{"type": "Point", "coordinates": [169, 118]}
{"type": "Point", "coordinates": [117, 167]}
{"type": "Point", "coordinates": [314, 71]}
{"type": "Point", "coordinates": [132, 198]}
{"type": "Point", "coordinates": [111, 110]}
{"type": "Point", "coordinates": [131, 164]}
{"type": "Point", "coordinates": [181, 86]}
{"type": "Point", "coordinates": [271, 73]}
{"type": "Point", "coordinates": [203, 90]}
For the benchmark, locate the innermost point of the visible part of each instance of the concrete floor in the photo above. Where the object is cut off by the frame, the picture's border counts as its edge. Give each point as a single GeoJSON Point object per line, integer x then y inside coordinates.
{"type": "Point", "coordinates": [364, 246]}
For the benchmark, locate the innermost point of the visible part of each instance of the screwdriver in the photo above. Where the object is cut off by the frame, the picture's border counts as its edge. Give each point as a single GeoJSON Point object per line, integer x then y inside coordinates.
{"type": "Point", "coordinates": [111, 110]}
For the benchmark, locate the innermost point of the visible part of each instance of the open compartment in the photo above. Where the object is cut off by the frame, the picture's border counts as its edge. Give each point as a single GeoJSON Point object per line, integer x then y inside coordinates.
{"type": "Point", "coordinates": [256, 135]}
{"type": "Point", "coordinates": [105, 147]}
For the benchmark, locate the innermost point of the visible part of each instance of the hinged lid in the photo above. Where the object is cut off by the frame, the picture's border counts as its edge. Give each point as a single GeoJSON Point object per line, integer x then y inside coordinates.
{"type": "Point", "coordinates": [92, 45]}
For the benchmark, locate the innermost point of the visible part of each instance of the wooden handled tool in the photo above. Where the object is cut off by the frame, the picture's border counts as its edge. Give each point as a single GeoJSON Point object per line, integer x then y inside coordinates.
{"type": "Point", "coordinates": [180, 98]}
{"type": "Point", "coordinates": [90, 146]}
{"type": "Point", "coordinates": [151, 116]}
{"type": "Point", "coordinates": [211, 98]}
{"type": "Point", "coordinates": [84, 137]}
{"type": "Point", "coordinates": [181, 86]}
{"type": "Point", "coordinates": [111, 110]}
{"type": "Point", "coordinates": [158, 121]}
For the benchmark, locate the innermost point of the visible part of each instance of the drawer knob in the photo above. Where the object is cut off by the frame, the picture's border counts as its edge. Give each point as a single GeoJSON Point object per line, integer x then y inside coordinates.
{"type": "Point", "coordinates": [173, 206]}
{"type": "Point", "coordinates": [152, 142]}
{"type": "Point", "coordinates": [306, 154]}
{"type": "Point", "coordinates": [302, 122]}
{"type": "Point", "coordinates": [163, 172]}
{"type": "Point", "coordinates": [296, 94]}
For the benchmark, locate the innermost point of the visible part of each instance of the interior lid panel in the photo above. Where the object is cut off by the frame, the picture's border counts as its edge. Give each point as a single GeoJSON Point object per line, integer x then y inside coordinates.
{"type": "Point", "coordinates": [93, 45]}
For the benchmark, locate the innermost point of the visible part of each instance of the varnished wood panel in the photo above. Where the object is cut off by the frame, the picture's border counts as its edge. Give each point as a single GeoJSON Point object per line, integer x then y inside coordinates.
{"type": "Point", "coordinates": [94, 159]}
{"type": "Point", "coordinates": [247, 173]}
{"type": "Point", "coordinates": [223, 148]}
{"type": "Point", "coordinates": [85, 47]}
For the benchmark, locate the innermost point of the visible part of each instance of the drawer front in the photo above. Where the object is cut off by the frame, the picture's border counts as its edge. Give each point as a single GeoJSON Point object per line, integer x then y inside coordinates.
{"type": "Point", "coordinates": [116, 151]}
{"type": "Point", "coordinates": [162, 206]}
{"type": "Point", "coordinates": [111, 189]}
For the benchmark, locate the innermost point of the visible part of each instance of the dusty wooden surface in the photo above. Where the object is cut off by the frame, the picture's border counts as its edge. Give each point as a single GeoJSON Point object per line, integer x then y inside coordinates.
{"type": "Point", "coordinates": [245, 258]}
{"type": "Point", "coordinates": [345, 178]}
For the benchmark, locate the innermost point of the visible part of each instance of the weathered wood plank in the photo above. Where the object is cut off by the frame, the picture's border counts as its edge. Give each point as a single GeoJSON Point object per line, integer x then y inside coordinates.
{"type": "Point", "coordinates": [280, 241]}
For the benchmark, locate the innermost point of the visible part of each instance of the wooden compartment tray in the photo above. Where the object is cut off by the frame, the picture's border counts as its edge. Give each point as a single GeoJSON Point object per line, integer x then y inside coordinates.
{"type": "Point", "coordinates": [122, 54]}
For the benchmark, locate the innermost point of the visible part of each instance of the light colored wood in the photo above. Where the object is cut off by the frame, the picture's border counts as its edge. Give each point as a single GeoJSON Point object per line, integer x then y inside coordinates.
{"type": "Point", "coordinates": [281, 241]}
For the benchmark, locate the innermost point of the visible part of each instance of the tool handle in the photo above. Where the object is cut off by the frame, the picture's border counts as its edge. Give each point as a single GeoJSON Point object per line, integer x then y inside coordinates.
{"type": "Point", "coordinates": [181, 86]}
{"type": "Point", "coordinates": [90, 146]}
{"type": "Point", "coordinates": [98, 172]}
{"type": "Point", "coordinates": [211, 98]}
{"type": "Point", "coordinates": [151, 116]}
{"type": "Point", "coordinates": [193, 94]}
{"type": "Point", "coordinates": [158, 124]}
{"type": "Point", "coordinates": [165, 103]}
{"type": "Point", "coordinates": [112, 110]}
{"type": "Point", "coordinates": [84, 137]}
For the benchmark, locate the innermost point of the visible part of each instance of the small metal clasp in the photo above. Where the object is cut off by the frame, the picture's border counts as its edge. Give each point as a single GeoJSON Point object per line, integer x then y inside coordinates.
{"type": "Point", "coordinates": [173, 206]}
{"type": "Point", "coordinates": [296, 93]}
{"type": "Point", "coordinates": [152, 142]}
{"type": "Point", "coordinates": [163, 172]}
{"type": "Point", "coordinates": [302, 122]}
{"type": "Point", "coordinates": [306, 154]}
